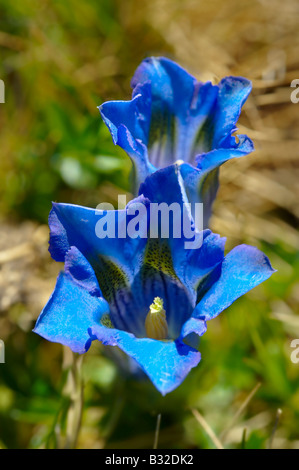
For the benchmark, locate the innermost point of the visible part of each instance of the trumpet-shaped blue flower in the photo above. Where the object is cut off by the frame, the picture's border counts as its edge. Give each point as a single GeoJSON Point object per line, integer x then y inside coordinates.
{"type": "Point", "coordinates": [174, 117]}
{"type": "Point", "coordinates": [150, 297]}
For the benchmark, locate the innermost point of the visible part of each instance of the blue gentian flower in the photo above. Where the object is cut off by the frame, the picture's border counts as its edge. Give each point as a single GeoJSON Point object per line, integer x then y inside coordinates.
{"type": "Point", "coordinates": [173, 117]}
{"type": "Point", "coordinates": [150, 297]}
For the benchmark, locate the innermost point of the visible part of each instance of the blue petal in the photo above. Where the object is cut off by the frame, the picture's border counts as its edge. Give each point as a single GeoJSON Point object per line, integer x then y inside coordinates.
{"type": "Point", "coordinates": [122, 113]}
{"type": "Point", "coordinates": [209, 161]}
{"type": "Point", "coordinates": [72, 225]}
{"type": "Point", "coordinates": [201, 187]}
{"type": "Point", "coordinates": [115, 261]}
{"type": "Point", "coordinates": [199, 263]}
{"type": "Point", "coordinates": [167, 79]}
{"type": "Point", "coordinates": [167, 187]}
{"type": "Point", "coordinates": [218, 129]}
{"type": "Point", "coordinates": [189, 264]}
{"type": "Point", "coordinates": [128, 122]}
{"type": "Point", "coordinates": [130, 272]}
{"type": "Point", "coordinates": [206, 181]}
{"type": "Point", "coordinates": [157, 278]}
{"type": "Point", "coordinates": [162, 271]}
{"type": "Point", "coordinates": [167, 363]}
{"type": "Point", "coordinates": [242, 269]}
{"type": "Point", "coordinates": [69, 314]}
{"type": "Point", "coordinates": [172, 117]}
{"type": "Point", "coordinates": [179, 108]}
{"type": "Point", "coordinates": [171, 271]}
{"type": "Point", "coordinates": [233, 92]}
{"type": "Point", "coordinates": [77, 266]}
{"type": "Point", "coordinates": [137, 151]}
{"type": "Point", "coordinates": [193, 325]}
{"type": "Point", "coordinates": [161, 274]}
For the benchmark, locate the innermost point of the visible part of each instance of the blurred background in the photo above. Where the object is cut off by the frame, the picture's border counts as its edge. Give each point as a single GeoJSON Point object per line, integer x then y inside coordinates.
{"type": "Point", "coordinates": [59, 61]}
